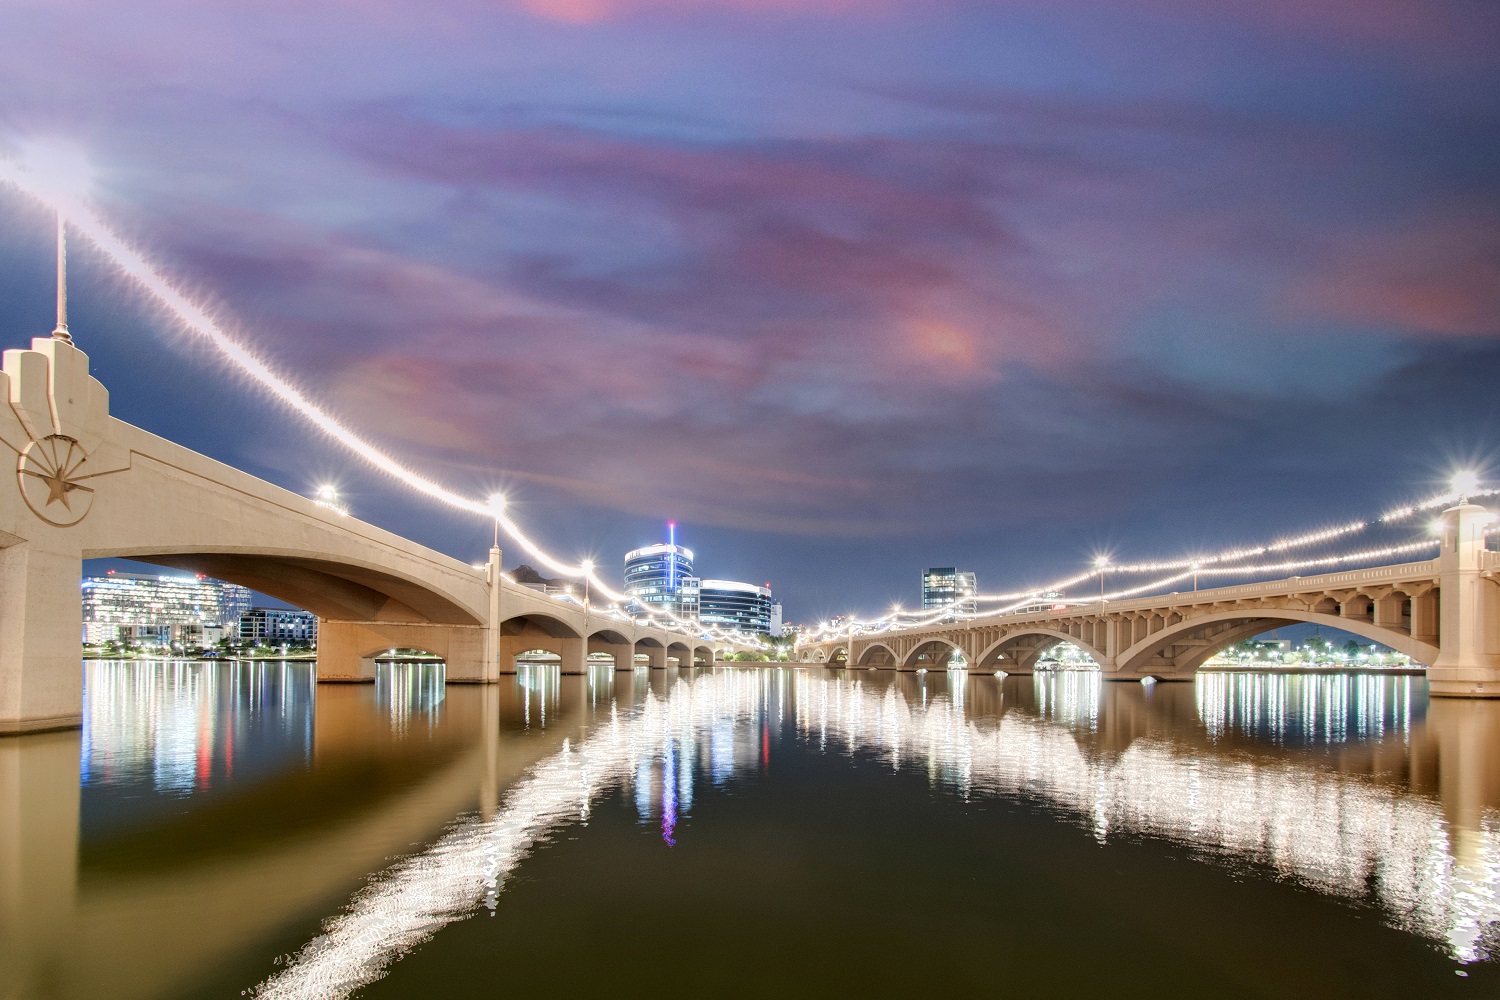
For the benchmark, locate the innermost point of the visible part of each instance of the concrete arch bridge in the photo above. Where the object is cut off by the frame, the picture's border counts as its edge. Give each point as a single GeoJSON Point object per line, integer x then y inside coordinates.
{"type": "Point", "coordinates": [88, 485]}
{"type": "Point", "coordinates": [1444, 613]}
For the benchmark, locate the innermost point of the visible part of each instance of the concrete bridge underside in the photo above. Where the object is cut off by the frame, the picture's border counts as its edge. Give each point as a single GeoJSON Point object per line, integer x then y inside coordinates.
{"type": "Point", "coordinates": [91, 486]}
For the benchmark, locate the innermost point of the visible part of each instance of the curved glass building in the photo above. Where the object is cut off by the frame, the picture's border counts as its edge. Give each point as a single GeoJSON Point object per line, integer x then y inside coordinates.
{"type": "Point", "coordinates": [730, 604]}
{"type": "Point", "coordinates": [659, 579]}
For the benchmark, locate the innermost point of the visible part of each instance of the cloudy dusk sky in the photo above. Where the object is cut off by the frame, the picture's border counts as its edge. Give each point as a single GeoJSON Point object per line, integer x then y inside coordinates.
{"type": "Point", "coordinates": [846, 287]}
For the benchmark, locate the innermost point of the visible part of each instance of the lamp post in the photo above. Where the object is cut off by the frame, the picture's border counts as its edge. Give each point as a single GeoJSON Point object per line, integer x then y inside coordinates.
{"type": "Point", "coordinates": [1101, 563]}
{"type": "Point", "coordinates": [496, 502]}
{"type": "Point", "coordinates": [61, 331]}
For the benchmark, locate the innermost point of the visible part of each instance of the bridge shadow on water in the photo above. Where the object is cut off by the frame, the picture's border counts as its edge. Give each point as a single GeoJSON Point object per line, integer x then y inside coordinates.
{"type": "Point", "coordinates": [223, 826]}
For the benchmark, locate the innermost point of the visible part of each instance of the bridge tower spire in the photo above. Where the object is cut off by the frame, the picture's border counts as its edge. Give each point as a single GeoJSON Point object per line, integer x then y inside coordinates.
{"type": "Point", "coordinates": [60, 332]}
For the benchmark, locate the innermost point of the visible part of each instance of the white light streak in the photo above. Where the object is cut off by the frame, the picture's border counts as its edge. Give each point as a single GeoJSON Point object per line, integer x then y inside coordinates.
{"type": "Point", "coordinates": [1311, 823]}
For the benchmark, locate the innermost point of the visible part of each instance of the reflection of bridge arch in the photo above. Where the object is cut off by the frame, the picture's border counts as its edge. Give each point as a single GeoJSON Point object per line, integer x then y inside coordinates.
{"type": "Point", "coordinates": [1180, 649]}
{"type": "Point", "coordinates": [1018, 652]}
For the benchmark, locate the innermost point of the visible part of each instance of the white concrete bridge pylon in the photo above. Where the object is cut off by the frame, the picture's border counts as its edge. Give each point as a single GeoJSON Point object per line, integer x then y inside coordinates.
{"type": "Point", "coordinates": [1443, 613]}
{"type": "Point", "coordinates": [88, 485]}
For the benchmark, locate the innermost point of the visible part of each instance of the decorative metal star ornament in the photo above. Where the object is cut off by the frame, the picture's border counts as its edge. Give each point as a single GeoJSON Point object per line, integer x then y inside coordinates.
{"type": "Point", "coordinates": [48, 471]}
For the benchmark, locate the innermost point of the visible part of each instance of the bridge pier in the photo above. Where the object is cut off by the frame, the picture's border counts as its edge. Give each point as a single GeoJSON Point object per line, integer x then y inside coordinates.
{"type": "Point", "coordinates": [623, 652]}
{"type": "Point", "coordinates": [1468, 660]}
{"type": "Point", "coordinates": [41, 652]}
{"type": "Point", "coordinates": [575, 655]}
{"type": "Point", "coordinates": [347, 650]}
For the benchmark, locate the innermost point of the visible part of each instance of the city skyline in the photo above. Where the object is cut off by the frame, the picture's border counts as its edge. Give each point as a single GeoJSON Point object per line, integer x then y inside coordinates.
{"type": "Point", "coordinates": [1238, 281]}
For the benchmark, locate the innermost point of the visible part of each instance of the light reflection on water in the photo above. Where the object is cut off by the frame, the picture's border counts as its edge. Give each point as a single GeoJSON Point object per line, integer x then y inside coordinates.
{"type": "Point", "coordinates": [186, 727]}
{"type": "Point", "coordinates": [1320, 827]}
{"type": "Point", "coordinates": [1354, 786]}
{"type": "Point", "coordinates": [1303, 709]}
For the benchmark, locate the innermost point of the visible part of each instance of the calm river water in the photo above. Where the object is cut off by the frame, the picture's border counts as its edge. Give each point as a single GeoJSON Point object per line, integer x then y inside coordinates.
{"type": "Point", "coordinates": [220, 829]}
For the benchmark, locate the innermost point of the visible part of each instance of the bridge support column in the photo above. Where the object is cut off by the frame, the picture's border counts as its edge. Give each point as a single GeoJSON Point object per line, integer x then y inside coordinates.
{"type": "Point", "coordinates": [1118, 633]}
{"type": "Point", "coordinates": [623, 653]}
{"type": "Point", "coordinates": [1468, 660]}
{"type": "Point", "coordinates": [657, 656]}
{"type": "Point", "coordinates": [41, 643]}
{"type": "Point", "coordinates": [466, 655]}
{"type": "Point", "coordinates": [347, 650]}
{"type": "Point", "coordinates": [341, 658]}
{"type": "Point", "coordinates": [495, 662]}
{"type": "Point", "coordinates": [575, 656]}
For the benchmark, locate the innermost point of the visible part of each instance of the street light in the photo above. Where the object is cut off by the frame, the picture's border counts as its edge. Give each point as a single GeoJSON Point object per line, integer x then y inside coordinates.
{"type": "Point", "coordinates": [328, 496]}
{"type": "Point", "coordinates": [1101, 563]}
{"type": "Point", "coordinates": [1465, 482]}
{"type": "Point", "coordinates": [496, 503]}
{"type": "Point", "coordinates": [588, 569]}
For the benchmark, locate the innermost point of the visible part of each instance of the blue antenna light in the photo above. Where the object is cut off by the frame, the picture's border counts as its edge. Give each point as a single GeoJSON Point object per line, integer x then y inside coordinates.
{"type": "Point", "coordinates": [672, 556]}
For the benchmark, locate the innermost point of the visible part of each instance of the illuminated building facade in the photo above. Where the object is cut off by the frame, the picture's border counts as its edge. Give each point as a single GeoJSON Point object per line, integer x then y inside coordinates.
{"type": "Point", "coordinates": [740, 607]}
{"type": "Point", "coordinates": [158, 608]}
{"type": "Point", "coordinates": [274, 626]}
{"type": "Point", "coordinates": [945, 586]}
{"type": "Point", "coordinates": [659, 579]}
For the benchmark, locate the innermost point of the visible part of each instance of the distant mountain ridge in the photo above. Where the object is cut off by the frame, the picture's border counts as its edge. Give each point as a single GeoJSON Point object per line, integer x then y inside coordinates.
{"type": "Point", "coordinates": [525, 574]}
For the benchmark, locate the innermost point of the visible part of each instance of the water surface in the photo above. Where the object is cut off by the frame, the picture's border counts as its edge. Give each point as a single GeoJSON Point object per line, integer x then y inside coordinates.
{"type": "Point", "coordinates": [223, 828]}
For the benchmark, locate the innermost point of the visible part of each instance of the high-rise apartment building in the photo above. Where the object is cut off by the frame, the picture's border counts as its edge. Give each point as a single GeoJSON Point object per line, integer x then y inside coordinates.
{"type": "Point", "coordinates": [946, 586]}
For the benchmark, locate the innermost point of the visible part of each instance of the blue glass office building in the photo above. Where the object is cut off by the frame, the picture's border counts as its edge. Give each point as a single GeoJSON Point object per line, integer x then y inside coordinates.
{"type": "Point", "coordinates": [659, 579]}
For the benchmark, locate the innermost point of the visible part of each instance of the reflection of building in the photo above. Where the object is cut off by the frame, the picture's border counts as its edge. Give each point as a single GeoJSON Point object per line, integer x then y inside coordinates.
{"type": "Point", "coordinates": [659, 578]}
{"type": "Point", "coordinates": [272, 626]}
{"type": "Point", "coordinates": [157, 608]}
{"type": "Point", "coordinates": [945, 586]}
{"type": "Point", "coordinates": [728, 604]}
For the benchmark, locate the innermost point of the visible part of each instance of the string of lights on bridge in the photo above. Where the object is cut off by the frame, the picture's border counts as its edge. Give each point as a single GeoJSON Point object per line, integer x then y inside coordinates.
{"type": "Point", "coordinates": [57, 178]}
{"type": "Point", "coordinates": [1465, 487]}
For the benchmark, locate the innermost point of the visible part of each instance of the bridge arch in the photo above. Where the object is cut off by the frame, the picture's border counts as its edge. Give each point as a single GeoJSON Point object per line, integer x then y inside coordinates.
{"type": "Point", "coordinates": [538, 624]}
{"type": "Point", "coordinates": [932, 653]}
{"type": "Point", "coordinates": [1180, 649]}
{"type": "Point", "coordinates": [878, 654]}
{"type": "Point", "coordinates": [838, 654]}
{"type": "Point", "coordinates": [613, 643]}
{"type": "Point", "coordinates": [1019, 651]}
{"type": "Point", "coordinates": [341, 589]}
